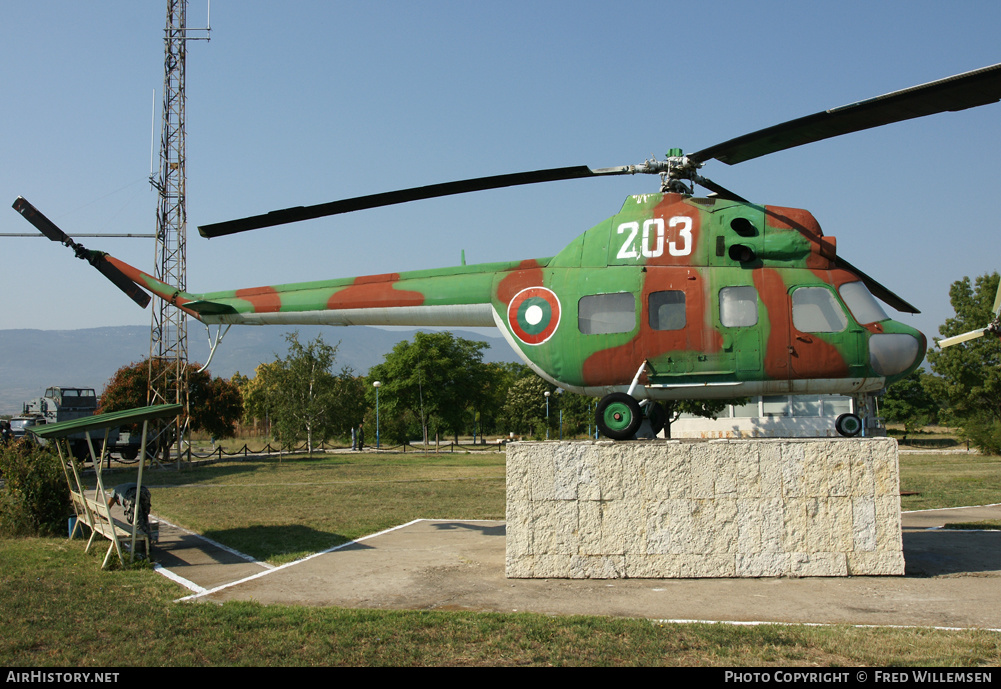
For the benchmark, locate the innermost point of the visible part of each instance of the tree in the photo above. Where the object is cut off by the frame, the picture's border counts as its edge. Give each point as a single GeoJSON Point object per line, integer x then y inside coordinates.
{"type": "Point", "coordinates": [214, 404]}
{"type": "Point", "coordinates": [432, 382]}
{"type": "Point", "coordinates": [970, 373]}
{"type": "Point", "coordinates": [524, 410]}
{"type": "Point", "coordinates": [257, 396]}
{"type": "Point", "coordinates": [578, 413]}
{"type": "Point", "coordinates": [301, 395]}
{"type": "Point", "coordinates": [499, 377]}
{"type": "Point", "coordinates": [909, 401]}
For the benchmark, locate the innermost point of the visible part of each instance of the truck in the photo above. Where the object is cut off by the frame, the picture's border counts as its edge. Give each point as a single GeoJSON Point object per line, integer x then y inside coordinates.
{"type": "Point", "coordinates": [60, 403]}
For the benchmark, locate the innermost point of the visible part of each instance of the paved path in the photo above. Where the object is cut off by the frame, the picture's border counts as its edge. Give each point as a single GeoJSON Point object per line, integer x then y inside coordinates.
{"type": "Point", "coordinates": [952, 579]}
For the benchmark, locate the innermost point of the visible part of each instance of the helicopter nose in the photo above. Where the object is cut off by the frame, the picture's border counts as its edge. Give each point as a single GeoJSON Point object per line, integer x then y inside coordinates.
{"type": "Point", "coordinates": [894, 353]}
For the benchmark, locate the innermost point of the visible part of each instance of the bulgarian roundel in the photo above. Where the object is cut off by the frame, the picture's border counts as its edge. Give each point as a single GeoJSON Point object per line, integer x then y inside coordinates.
{"type": "Point", "coordinates": [533, 315]}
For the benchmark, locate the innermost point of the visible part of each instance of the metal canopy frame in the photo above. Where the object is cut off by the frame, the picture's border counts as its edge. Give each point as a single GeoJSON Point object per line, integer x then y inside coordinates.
{"type": "Point", "coordinates": [84, 507]}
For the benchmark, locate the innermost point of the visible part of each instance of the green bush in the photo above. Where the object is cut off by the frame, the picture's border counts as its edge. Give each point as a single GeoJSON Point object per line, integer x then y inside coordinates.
{"type": "Point", "coordinates": [983, 433]}
{"type": "Point", "coordinates": [34, 499]}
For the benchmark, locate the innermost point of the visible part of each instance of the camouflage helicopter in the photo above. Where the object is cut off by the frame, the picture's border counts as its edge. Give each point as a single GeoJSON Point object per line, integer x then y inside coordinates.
{"type": "Point", "coordinates": [674, 297]}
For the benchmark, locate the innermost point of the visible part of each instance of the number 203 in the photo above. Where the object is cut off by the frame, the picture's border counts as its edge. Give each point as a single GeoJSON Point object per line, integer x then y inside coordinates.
{"type": "Point", "coordinates": [652, 241]}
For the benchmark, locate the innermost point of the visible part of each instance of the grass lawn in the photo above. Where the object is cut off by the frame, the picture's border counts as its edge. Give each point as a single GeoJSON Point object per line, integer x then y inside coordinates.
{"type": "Point", "coordinates": [60, 609]}
{"type": "Point", "coordinates": [949, 480]}
{"type": "Point", "coordinates": [282, 510]}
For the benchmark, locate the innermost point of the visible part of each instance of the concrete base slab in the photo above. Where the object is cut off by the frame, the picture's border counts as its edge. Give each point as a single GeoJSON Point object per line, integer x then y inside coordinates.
{"type": "Point", "coordinates": [459, 565]}
{"type": "Point", "coordinates": [801, 507]}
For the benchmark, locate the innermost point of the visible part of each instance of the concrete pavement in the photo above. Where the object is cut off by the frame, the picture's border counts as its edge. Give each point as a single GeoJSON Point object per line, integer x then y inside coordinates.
{"type": "Point", "coordinates": [952, 579]}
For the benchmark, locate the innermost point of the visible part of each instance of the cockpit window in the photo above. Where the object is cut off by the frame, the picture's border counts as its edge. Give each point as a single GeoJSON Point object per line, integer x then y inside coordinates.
{"type": "Point", "coordinates": [861, 303]}
{"type": "Point", "coordinates": [816, 310]}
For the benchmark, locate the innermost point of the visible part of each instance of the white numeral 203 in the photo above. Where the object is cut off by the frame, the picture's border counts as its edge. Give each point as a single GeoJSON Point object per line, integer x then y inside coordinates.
{"type": "Point", "coordinates": [655, 227]}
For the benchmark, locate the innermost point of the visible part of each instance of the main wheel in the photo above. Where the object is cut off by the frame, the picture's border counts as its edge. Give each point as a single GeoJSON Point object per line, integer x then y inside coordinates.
{"type": "Point", "coordinates": [618, 416]}
{"type": "Point", "coordinates": [848, 425]}
{"type": "Point", "coordinates": [657, 415]}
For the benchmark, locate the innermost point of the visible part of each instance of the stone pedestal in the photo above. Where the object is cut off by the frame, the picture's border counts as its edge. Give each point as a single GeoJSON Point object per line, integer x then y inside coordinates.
{"type": "Point", "coordinates": [718, 508]}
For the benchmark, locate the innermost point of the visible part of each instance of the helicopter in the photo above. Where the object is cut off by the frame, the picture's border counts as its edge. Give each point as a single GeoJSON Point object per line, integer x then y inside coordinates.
{"type": "Point", "coordinates": [674, 297]}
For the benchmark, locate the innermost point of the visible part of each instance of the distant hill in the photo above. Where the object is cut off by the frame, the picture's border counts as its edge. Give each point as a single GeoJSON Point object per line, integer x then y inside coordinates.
{"type": "Point", "coordinates": [32, 360]}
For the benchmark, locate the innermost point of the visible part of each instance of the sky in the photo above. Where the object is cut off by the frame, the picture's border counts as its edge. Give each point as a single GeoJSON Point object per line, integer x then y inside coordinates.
{"type": "Point", "coordinates": [306, 102]}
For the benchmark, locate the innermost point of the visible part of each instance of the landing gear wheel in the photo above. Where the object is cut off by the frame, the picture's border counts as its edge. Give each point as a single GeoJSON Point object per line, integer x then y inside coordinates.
{"type": "Point", "coordinates": [657, 416]}
{"type": "Point", "coordinates": [848, 425]}
{"type": "Point", "coordinates": [618, 416]}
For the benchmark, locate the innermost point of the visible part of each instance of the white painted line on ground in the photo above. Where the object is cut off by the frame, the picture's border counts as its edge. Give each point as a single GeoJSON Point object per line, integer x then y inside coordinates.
{"type": "Point", "coordinates": [941, 509]}
{"type": "Point", "coordinates": [826, 624]}
{"type": "Point", "coordinates": [190, 585]}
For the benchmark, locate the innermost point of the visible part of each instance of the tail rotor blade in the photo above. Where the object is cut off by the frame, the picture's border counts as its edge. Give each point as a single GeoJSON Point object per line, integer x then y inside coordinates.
{"type": "Point", "coordinates": [41, 223]}
{"type": "Point", "coordinates": [122, 282]}
{"type": "Point", "coordinates": [965, 337]}
{"type": "Point", "coordinates": [94, 258]}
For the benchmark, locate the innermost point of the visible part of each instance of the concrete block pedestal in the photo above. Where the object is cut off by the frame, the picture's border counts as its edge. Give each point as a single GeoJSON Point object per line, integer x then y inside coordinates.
{"type": "Point", "coordinates": [720, 508]}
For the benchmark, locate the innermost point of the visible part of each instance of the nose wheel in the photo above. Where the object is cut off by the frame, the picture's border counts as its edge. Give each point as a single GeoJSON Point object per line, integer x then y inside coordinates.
{"type": "Point", "coordinates": [848, 425]}
{"type": "Point", "coordinates": [618, 416]}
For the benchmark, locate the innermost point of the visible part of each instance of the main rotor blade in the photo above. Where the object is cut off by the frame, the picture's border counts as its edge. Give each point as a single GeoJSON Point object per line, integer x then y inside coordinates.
{"type": "Point", "coordinates": [956, 339]}
{"type": "Point", "coordinates": [720, 191]}
{"type": "Point", "coordinates": [289, 215]}
{"type": "Point", "coordinates": [878, 290]}
{"type": "Point", "coordinates": [967, 90]}
{"type": "Point", "coordinates": [94, 258]}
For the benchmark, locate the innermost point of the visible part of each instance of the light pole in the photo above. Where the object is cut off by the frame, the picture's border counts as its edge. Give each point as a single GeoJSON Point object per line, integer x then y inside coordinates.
{"type": "Point", "coordinates": [376, 385]}
{"type": "Point", "coordinates": [547, 414]}
{"type": "Point", "coordinates": [559, 391]}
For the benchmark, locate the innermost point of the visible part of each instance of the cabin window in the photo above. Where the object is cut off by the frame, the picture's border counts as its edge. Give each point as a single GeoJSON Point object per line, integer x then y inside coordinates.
{"type": "Point", "coordinates": [605, 314]}
{"type": "Point", "coordinates": [738, 306]}
{"type": "Point", "coordinates": [861, 303]}
{"type": "Point", "coordinates": [667, 310]}
{"type": "Point", "coordinates": [815, 310]}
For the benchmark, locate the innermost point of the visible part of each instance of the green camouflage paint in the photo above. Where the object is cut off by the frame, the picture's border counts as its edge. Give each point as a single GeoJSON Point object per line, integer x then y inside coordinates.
{"type": "Point", "coordinates": [695, 296]}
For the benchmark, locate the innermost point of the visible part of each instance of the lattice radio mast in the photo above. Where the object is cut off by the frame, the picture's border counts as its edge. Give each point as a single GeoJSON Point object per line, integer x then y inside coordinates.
{"type": "Point", "coordinates": [168, 346]}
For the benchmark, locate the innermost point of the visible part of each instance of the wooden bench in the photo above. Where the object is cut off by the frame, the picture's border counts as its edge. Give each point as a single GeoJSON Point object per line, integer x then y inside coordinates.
{"type": "Point", "coordinates": [95, 514]}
